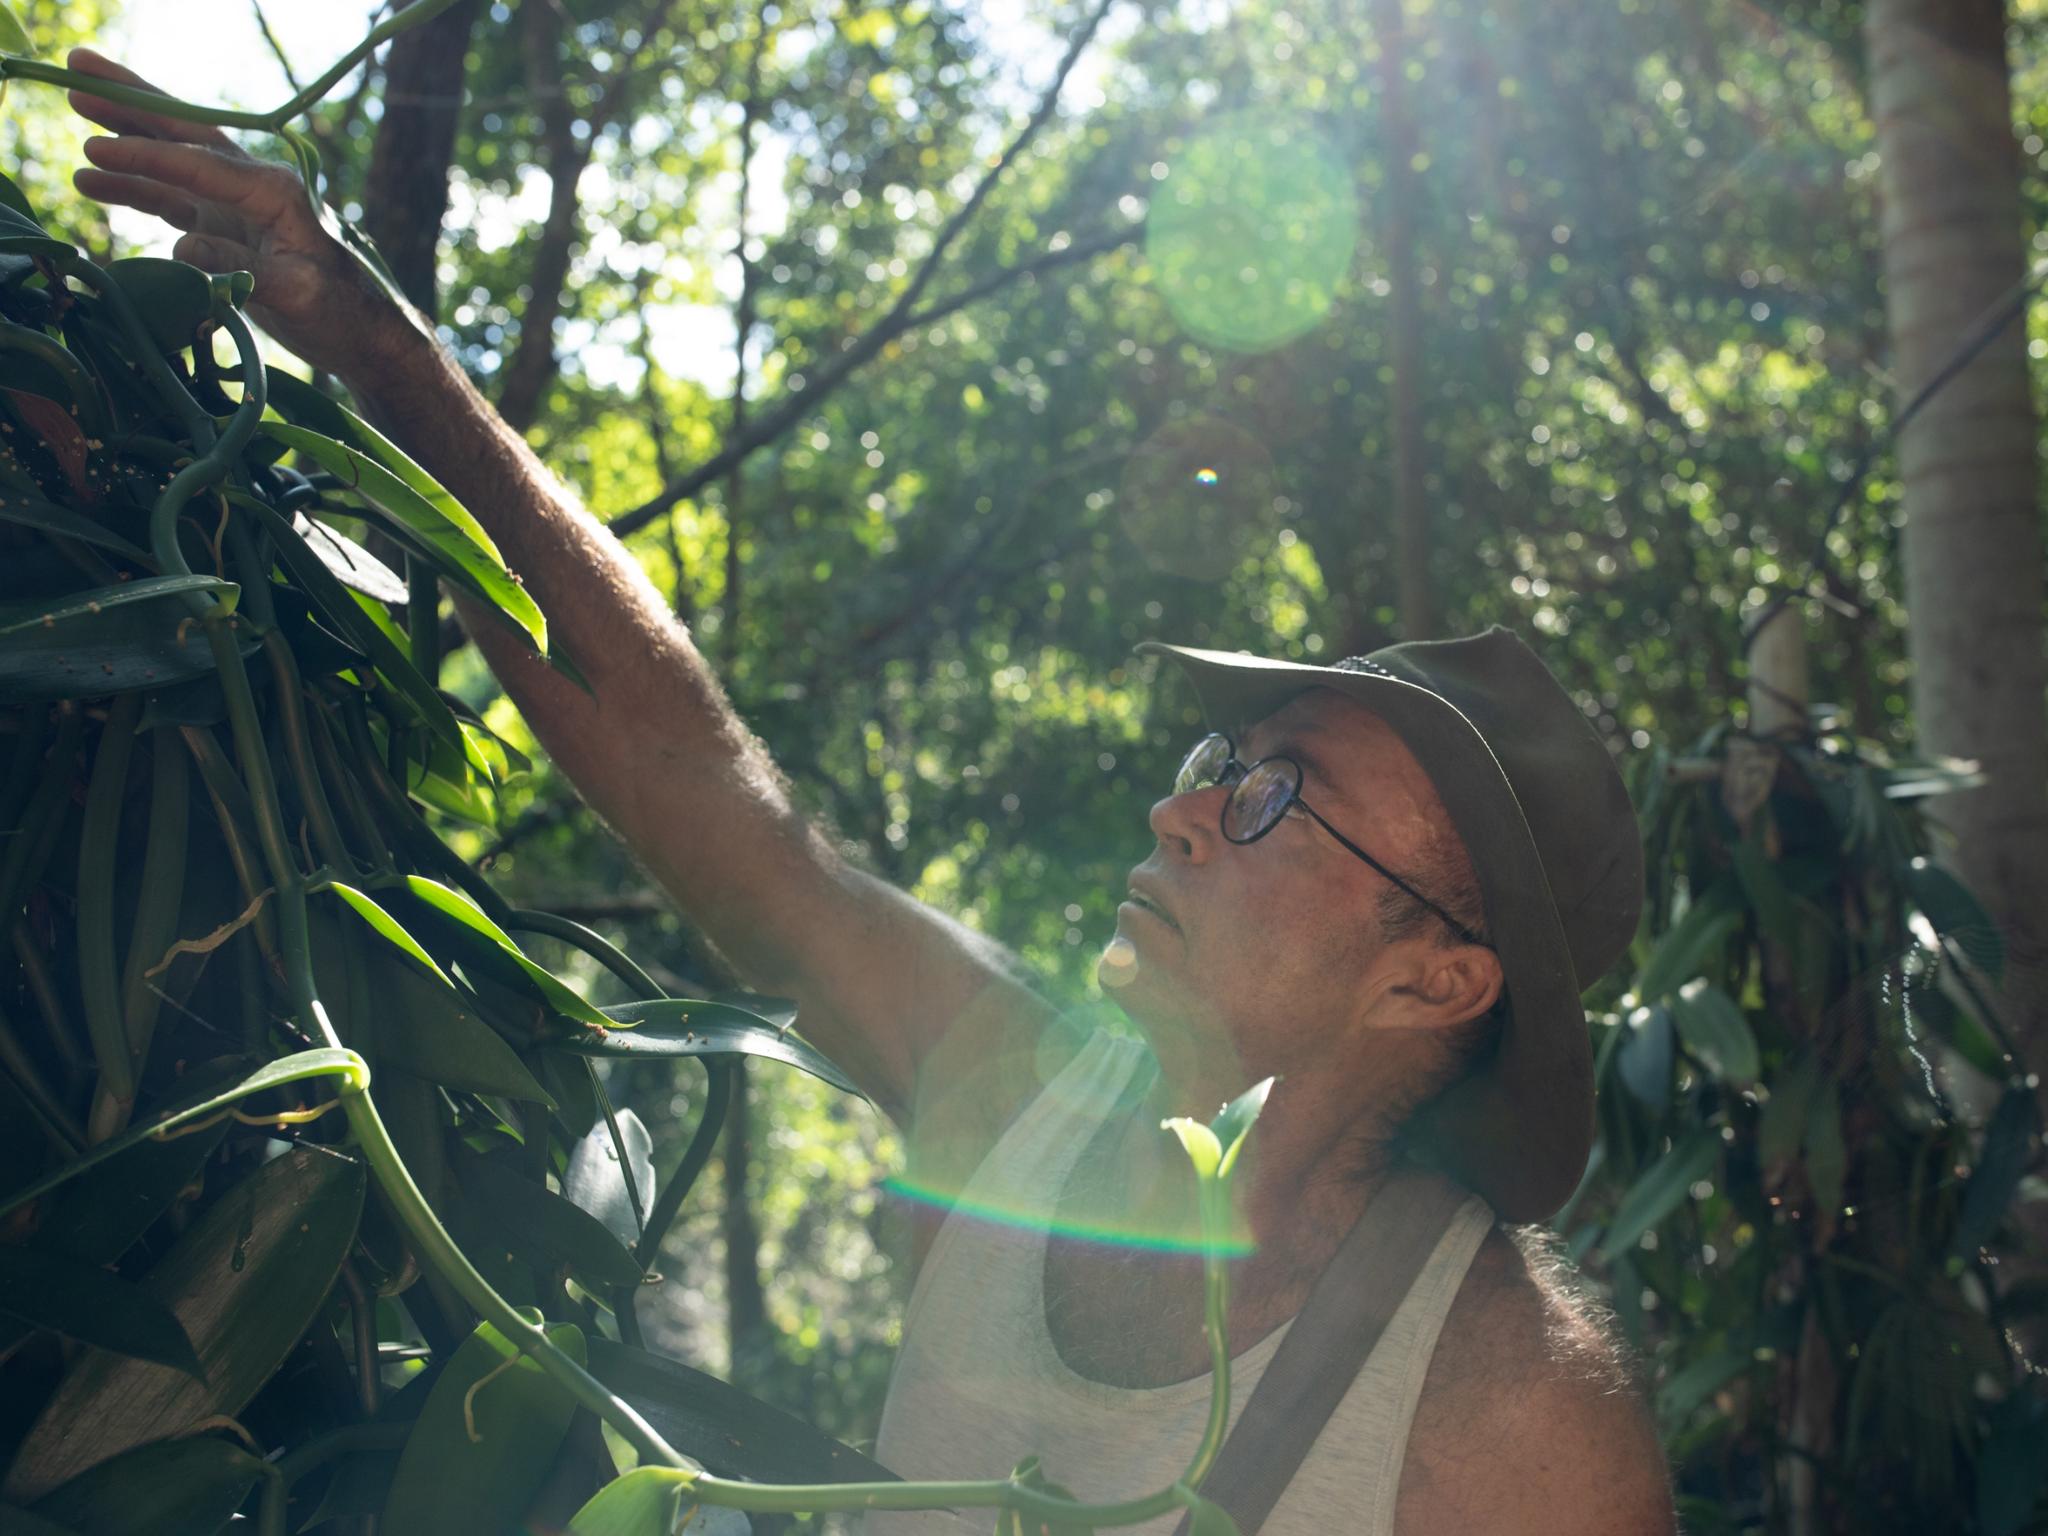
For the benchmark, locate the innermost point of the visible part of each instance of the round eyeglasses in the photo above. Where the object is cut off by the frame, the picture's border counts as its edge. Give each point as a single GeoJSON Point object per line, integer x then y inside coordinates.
{"type": "Point", "coordinates": [1261, 796]}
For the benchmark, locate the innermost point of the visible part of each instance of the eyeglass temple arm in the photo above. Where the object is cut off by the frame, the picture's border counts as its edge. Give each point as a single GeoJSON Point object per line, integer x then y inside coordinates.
{"type": "Point", "coordinates": [1455, 926]}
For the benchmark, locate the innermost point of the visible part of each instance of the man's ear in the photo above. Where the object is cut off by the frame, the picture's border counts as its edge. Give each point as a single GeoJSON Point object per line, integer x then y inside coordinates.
{"type": "Point", "coordinates": [1448, 985]}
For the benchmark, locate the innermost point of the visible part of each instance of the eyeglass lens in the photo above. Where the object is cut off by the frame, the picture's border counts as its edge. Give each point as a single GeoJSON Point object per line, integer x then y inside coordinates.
{"type": "Point", "coordinates": [1258, 799]}
{"type": "Point", "coordinates": [1203, 765]}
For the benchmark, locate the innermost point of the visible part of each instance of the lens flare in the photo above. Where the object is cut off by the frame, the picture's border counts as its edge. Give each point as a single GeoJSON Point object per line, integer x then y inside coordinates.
{"type": "Point", "coordinates": [1252, 231]}
{"type": "Point", "coordinates": [1108, 1233]}
{"type": "Point", "coordinates": [1196, 496]}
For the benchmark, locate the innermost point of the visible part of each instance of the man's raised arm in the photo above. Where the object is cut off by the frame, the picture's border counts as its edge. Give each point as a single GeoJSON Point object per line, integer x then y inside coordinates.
{"type": "Point", "coordinates": [654, 745]}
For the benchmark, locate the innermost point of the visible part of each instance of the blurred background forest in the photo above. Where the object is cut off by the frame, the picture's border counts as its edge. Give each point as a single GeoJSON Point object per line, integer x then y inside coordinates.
{"type": "Point", "coordinates": [931, 355]}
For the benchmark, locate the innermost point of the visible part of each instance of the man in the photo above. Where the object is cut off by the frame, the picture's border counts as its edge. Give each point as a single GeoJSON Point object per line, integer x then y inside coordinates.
{"type": "Point", "coordinates": [1311, 910]}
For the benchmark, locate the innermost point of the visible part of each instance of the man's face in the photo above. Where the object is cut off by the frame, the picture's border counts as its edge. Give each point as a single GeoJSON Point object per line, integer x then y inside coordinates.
{"type": "Point", "coordinates": [1240, 960]}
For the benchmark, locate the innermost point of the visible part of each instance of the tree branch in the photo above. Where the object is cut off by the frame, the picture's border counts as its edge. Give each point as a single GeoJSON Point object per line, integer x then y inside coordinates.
{"type": "Point", "coordinates": [791, 408]}
{"type": "Point", "coordinates": [901, 315]}
{"type": "Point", "coordinates": [284, 63]}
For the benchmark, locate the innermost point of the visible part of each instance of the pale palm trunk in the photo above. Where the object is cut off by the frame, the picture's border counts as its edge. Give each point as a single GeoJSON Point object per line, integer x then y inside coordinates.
{"type": "Point", "coordinates": [1953, 247]}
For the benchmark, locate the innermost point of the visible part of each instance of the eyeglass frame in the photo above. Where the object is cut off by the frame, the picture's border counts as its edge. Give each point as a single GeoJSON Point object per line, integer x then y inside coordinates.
{"type": "Point", "coordinates": [1293, 798]}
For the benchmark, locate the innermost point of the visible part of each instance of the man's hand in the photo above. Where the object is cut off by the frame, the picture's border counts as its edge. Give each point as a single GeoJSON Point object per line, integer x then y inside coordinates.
{"type": "Point", "coordinates": [312, 292]}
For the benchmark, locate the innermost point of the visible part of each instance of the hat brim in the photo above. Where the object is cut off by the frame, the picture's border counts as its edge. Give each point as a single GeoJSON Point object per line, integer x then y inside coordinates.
{"type": "Point", "coordinates": [1518, 1130]}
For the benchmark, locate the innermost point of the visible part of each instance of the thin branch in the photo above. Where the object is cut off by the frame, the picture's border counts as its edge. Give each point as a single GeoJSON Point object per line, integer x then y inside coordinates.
{"type": "Point", "coordinates": [900, 316]}
{"type": "Point", "coordinates": [291, 77]}
{"type": "Point", "coordinates": [771, 424]}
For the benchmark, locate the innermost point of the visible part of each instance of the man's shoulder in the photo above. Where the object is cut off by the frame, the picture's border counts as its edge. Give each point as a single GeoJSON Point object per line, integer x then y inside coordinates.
{"type": "Point", "coordinates": [1530, 1420]}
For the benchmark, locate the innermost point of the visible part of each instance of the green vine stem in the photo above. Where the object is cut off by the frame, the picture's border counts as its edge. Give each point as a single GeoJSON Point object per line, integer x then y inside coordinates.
{"type": "Point", "coordinates": [607, 954]}
{"type": "Point", "coordinates": [717, 1095]}
{"type": "Point", "coordinates": [16, 67]}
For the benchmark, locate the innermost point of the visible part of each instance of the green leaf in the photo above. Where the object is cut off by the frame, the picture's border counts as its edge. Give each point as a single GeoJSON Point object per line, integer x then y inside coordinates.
{"type": "Point", "coordinates": [1200, 1144]}
{"type": "Point", "coordinates": [51, 518]}
{"type": "Point", "coordinates": [324, 1062]}
{"type": "Point", "coordinates": [92, 1306]}
{"type": "Point", "coordinates": [1782, 1126]}
{"type": "Point", "coordinates": [1827, 1160]}
{"type": "Point", "coordinates": [14, 39]}
{"type": "Point", "coordinates": [1235, 1120]}
{"type": "Point", "coordinates": [645, 1502]}
{"type": "Point", "coordinates": [1662, 1188]}
{"type": "Point", "coordinates": [542, 1227]}
{"type": "Point", "coordinates": [491, 1427]}
{"type": "Point", "coordinates": [1995, 1180]}
{"type": "Point", "coordinates": [1208, 1518]}
{"type": "Point", "coordinates": [680, 1026]}
{"type": "Point", "coordinates": [449, 781]}
{"type": "Point", "coordinates": [136, 634]}
{"type": "Point", "coordinates": [727, 1431]}
{"type": "Point", "coordinates": [1685, 946]}
{"type": "Point", "coordinates": [299, 403]}
{"type": "Point", "coordinates": [594, 1178]}
{"type": "Point", "coordinates": [353, 566]}
{"type": "Point", "coordinates": [1715, 1030]}
{"type": "Point", "coordinates": [451, 903]}
{"type": "Point", "coordinates": [412, 503]}
{"type": "Point", "coordinates": [433, 1031]}
{"type": "Point", "coordinates": [358, 1485]}
{"type": "Point", "coordinates": [189, 1487]}
{"type": "Point", "coordinates": [1645, 1055]}
{"type": "Point", "coordinates": [94, 1217]}
{"type": "Point", "coordinates": [388, 928]}
{"type": "Point", "coordinates": [2011, 1468]}
{"type": "Point", "coordinates": [1955, 914]}
{"type": "Point", "coordinates": [1764, 887]}
{"type": "Point", "coordinates": [174, 299]}
{"type": "Point", "coordinates": [411, 1109]}
{"type": "Point", "coordinates": [1919, 780]}
{"type": "Point", "coordinates": [11, 196]}
{"type": "Point", "coordinates": [1699, 1380]}
{"type": "Point", "coordinates": [355, 622]}
{"type": "Point", "coordinates": [19, 1522]}
{"type": "Point", "coordinates": [244, 1281]}
{"type": "Point", "coordinates": [21, 235]}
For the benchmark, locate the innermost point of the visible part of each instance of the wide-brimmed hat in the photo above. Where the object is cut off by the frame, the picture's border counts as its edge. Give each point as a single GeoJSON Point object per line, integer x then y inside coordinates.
{"type": "Point", "coordinates": [1540, 806]}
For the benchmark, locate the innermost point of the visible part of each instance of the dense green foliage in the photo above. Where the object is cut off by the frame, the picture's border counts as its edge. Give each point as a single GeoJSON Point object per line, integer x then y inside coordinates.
{"type": "Point", "coordinates": [1655, 348]}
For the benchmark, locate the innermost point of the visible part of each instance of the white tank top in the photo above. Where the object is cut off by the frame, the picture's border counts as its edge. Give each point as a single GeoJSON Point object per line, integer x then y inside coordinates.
{"type": "Point", "coordinates": [979, 1384]}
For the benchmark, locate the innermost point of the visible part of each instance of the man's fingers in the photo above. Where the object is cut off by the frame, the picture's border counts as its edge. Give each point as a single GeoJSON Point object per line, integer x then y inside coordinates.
{"type": "Point", "coordinates": [257, 189]}
{"type": "Point", "coordinates": [138, 192]}
{"type": "Point", "coordinates": [126, 119]}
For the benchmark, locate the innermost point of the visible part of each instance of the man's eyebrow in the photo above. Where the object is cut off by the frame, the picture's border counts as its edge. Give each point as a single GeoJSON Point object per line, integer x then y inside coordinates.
{"type": "Point", "coordinates": [1291, 744]}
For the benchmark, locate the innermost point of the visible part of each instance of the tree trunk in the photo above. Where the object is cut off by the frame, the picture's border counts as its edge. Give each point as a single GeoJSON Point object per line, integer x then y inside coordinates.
{"type": "Point", "coordinates": [1952, 228]}
{"type": "Point", "coordinates": [532, 365]}
{"type": "Point", "coordinates": [405, 195]}
{"type": "Point", "coordinates": [1404, 327]}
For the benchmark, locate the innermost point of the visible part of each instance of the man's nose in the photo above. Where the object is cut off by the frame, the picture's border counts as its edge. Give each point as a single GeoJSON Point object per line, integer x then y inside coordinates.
{"type": "Point", "coordinates": [1190, 823]}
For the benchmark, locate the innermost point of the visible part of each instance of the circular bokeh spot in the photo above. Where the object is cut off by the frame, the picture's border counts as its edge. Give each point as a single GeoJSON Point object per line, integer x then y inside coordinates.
{"type": "Point", "coordinates": [1252, 230]}
{"type": "Point", "coordinates": [1195, 495]}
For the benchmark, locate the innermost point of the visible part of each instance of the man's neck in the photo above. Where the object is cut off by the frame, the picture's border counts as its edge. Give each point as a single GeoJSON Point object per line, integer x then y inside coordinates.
{"type": "Point", "coordinates": [1311, 1167]}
